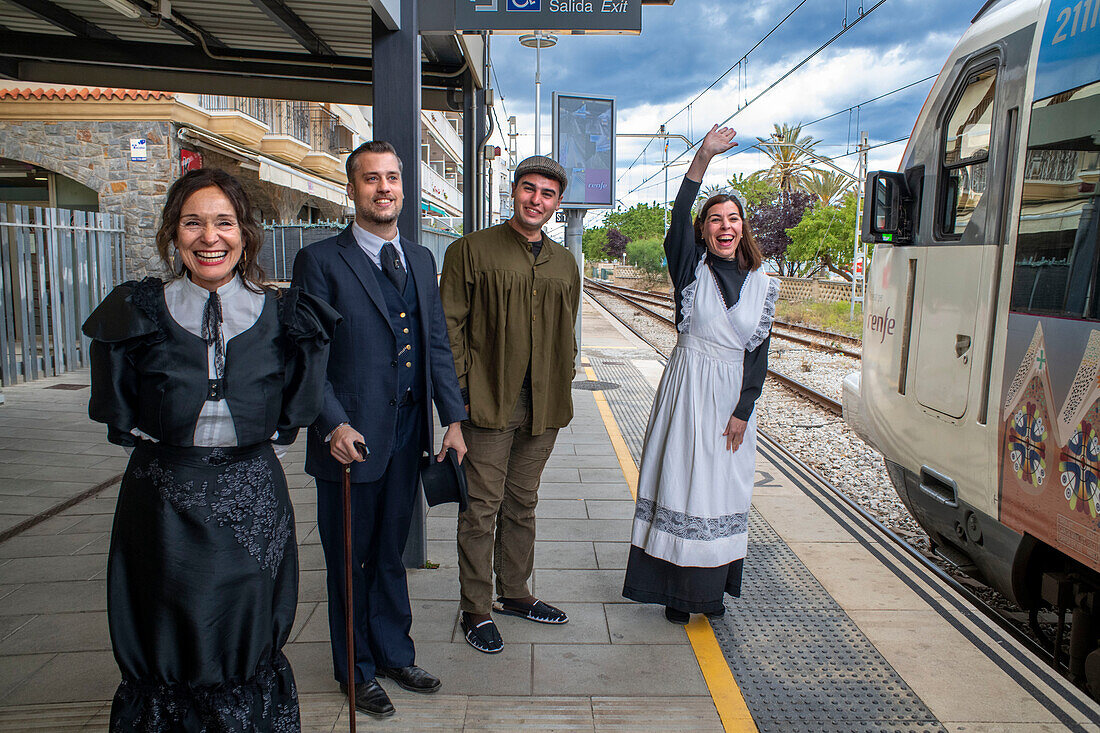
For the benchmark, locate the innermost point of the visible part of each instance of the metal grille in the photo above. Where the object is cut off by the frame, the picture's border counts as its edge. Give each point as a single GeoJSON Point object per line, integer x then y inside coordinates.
{"type": "Point", "coordinates": [801, 662]}
{"type": "Point", "coordinates": [55, 267]}
{"type": "Point", "coordinates": [594, 385]}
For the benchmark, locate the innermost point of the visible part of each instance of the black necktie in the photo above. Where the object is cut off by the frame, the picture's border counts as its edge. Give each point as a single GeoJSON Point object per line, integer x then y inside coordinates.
{"type": "Point", "coordinates": [391, 265]}
{"type": "Point", "coordinates": [212, 331]}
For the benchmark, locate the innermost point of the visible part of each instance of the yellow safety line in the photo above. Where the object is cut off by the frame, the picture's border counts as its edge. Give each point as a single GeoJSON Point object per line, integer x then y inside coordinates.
{"type": "Point", "coordinates": [626, 461]}
{"type": "Point", "coordinates": [724, 691]}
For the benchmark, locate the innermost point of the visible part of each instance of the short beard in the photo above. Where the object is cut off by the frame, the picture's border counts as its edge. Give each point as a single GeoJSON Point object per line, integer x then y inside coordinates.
{"type": "Point", "coordinates": [373, 216]}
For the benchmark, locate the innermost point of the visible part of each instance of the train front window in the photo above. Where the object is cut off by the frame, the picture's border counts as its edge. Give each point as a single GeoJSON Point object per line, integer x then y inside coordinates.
{"type": "Point", "coordinates": [1057, 269]}
{"type": "Point", "coordinates": [966, 152]}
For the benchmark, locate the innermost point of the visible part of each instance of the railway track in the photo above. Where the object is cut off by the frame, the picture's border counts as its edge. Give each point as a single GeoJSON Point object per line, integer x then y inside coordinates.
{"type": "Point", "coordinates": [794, 385]}
{"type": "Point", "coordinates": [987, 602]}
{"type": "Point", "coordinates": [818, 339]}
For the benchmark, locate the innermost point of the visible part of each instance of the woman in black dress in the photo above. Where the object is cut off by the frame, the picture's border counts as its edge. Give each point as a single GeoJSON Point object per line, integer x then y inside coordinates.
{"type": "Point", "coordinates": [200, 376]}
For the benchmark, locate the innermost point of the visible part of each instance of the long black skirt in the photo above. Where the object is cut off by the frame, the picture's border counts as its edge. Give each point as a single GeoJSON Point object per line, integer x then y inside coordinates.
{"type": "Point", "coordinates": [202, 585]}
{"type": "Point", "coordinates": [694, 590]}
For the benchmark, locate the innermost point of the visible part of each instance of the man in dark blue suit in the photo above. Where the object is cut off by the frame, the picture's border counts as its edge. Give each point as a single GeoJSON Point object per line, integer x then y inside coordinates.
{"type": "Point", "coordinates": [389, 359]}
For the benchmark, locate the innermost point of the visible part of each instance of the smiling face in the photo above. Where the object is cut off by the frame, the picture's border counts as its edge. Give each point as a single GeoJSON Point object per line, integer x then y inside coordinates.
{"type": "Point", "coordinates": [376, 190]}
{"type": "Point", "coordinates": [536, 199]}
{"type": "Point", "coordinates": [722, 229]}
{"type": "Point", "coordinates": [208, 237]}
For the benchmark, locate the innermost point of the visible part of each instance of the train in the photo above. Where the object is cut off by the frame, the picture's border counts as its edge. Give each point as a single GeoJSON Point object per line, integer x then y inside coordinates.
{"type": "Point", "coordinates": [980, 377]}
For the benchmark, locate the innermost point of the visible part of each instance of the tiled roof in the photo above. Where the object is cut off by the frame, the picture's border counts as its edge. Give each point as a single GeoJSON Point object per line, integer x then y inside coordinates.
{"type": "Point", "coordinates": [80, 93]}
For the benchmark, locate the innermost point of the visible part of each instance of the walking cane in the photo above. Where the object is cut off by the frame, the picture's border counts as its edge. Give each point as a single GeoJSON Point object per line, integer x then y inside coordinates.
{"type": "Point", "coordinates": [349, 632]}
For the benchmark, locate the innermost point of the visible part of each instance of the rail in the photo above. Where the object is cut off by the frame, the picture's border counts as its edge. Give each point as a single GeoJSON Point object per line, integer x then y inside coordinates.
{"type": "Point", "coordinates": [642, 299]}
{"type": "Point", "coordinates": [803, 390]}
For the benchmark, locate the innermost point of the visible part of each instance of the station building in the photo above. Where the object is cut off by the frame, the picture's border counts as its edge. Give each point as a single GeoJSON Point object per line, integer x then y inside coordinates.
{"type": "Point", "coordinates": [118, 150]}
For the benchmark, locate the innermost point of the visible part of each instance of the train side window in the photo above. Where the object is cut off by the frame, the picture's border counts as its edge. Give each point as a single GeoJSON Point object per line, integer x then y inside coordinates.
{"type": "Point", "coordinates": [966, 152]}
{"type": "Point", "coordinates": [1056, 270]}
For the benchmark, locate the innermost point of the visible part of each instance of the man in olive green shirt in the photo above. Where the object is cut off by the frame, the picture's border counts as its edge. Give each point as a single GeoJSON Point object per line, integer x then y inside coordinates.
{"type": "Point", "coordinates": [511, 296]}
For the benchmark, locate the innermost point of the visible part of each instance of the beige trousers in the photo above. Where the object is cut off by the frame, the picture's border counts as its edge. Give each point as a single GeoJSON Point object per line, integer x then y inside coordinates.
{"type": "Point", "coordinates": [503, 468]}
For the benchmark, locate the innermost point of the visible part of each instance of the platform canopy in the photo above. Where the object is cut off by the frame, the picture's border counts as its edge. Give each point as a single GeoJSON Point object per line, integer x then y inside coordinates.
{"type": "Point", "coordinates": [285, 49]}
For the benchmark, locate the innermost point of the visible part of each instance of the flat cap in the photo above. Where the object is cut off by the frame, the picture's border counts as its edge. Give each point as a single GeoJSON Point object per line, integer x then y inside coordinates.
{"type": "Point", "coordinates": [544, 167]}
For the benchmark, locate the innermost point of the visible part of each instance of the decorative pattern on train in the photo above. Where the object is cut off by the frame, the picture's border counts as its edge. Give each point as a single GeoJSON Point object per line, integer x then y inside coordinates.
{"type": "Point", "coordinates": [1060, 504]}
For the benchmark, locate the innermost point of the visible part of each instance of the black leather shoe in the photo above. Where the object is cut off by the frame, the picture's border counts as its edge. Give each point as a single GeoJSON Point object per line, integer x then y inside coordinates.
{"type": "Point", "coordinates": [370, 698]}
{"type": "Point", "coordinates": [411, 678]}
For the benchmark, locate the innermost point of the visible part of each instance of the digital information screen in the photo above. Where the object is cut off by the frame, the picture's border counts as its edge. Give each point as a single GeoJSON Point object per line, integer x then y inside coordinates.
{"type": "Point", "coordinates": [584, 143]}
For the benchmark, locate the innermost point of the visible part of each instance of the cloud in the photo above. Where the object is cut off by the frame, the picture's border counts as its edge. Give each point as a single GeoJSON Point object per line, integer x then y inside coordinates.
{"type": "Point", "coordinates": [685, 47]}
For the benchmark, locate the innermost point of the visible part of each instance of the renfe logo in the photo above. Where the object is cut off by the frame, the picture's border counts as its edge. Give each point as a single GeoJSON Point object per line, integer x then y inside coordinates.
{"type": "Point", "coordinates": [883, 324]}
{"type": "Point", "coordinates": [535, 5]}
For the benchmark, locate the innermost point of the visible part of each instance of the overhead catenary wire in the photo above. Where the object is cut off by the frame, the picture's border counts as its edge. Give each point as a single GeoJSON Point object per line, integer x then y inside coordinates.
{"type": "Point", "coordinates": [804, 125]}
{"type": "Point", "coordinates": [771, 86]}
{"type": "Point", "coordinates": [721, 76]}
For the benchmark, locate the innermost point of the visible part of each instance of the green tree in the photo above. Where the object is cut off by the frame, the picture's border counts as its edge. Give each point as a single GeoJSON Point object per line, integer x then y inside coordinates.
{"type": "Point", "coordinates": [790, 166]}
{"type": "Point", "coordinates": [593, 244]}
{"type": "Point", "coordinates": [828, 186]}
{"type": "Point", "coordinates": [754, 187]}
{"type": "Point", "coordinates": [647, 255]}
{"type": "Point", "coordinates": [641, 221]}
{"type": "Point", "coordinates": [825, 237]}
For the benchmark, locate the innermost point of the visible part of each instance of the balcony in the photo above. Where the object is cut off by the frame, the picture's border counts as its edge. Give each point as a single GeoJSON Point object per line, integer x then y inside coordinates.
{"type": "Point", "coordinates": [443, 132]}
{"type": "Point", "coordinates": [243, 119]}
{"type": "Point", "coordinates": [289, 138]}
{"type": "Point", "coordinates": [439, 192]}
{"type": "Point", "coordinates": [329, 139]}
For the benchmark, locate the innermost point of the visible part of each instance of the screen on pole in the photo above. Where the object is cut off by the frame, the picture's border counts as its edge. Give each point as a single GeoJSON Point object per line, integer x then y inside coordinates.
{"type": "Point", "coordinates": [584, 143]}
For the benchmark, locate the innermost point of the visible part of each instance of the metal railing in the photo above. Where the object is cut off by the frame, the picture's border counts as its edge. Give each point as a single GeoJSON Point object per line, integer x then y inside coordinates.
{"type": "Point", "coordinates": [282, 242]}
{"type": "Point", "coordinates": [328, 134]}
{"type": "Point", "coordinates": [290, 118]}
{"type": "Point", "coordinates": [257, 109]}
{"type": "Point", "coordinates": [56, 266]}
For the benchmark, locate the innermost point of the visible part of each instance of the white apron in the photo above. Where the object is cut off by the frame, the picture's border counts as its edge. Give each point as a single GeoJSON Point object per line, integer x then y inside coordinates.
{"type": "Point", "coordinates": [693, 494]}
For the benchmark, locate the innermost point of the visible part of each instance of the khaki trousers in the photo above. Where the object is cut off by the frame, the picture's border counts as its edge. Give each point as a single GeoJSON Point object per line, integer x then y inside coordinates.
{"type": "Point", "coordinates": [503, 468]}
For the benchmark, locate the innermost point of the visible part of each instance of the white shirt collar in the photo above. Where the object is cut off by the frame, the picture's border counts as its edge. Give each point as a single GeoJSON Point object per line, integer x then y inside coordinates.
{"type": "Point", "coordinates": [228, 290]}
{"type": "Point", "coordinates": [372, 245]}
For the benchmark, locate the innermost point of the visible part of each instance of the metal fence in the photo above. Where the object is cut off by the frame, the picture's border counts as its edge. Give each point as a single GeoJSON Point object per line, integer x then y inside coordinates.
{"type": "Point", "coordinates": [282, 242]}
{"type": "Point", "coordinates": [55, 267]}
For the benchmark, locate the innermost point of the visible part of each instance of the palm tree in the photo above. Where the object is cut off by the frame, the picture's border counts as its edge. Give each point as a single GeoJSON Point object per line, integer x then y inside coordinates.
{"type": "Point", "coordinates": [789, 164]}
{"type": "Point", "coordinates": [827, 186]}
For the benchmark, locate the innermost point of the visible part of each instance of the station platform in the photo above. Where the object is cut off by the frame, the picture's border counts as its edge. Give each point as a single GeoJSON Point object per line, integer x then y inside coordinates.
{"type": "Point", "coordinates": [837, 629]}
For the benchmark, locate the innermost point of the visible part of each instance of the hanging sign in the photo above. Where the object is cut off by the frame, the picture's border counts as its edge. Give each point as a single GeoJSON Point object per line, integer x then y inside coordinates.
{"type": "Point", "coordinates": [584, 144]}
{"type": "Point", "coordinates": [562, 16]}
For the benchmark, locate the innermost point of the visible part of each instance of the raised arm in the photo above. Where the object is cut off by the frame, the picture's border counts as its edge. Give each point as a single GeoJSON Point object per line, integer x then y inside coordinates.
{"type": "Point", "coordinates": [681, 252]}
{"type": "Point", "coordinates": [716, 142]}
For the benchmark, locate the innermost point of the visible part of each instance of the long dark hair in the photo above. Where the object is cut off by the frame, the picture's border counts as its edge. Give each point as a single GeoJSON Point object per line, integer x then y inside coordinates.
{"type": "Point", "coordinates": [248, 267]}
{"type": "Point", "coordinates": [748, 251]}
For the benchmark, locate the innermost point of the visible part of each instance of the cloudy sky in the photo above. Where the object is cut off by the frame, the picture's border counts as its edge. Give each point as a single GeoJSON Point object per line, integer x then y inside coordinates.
{"type": "Point", "coordinates": [684, 48]}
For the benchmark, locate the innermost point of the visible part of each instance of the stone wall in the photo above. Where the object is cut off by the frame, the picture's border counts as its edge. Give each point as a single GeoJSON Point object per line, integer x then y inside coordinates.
{"type": "Point", "coordinates": [97, 154]}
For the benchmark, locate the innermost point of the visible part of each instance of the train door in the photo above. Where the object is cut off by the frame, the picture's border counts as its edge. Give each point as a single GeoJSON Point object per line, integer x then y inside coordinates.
{"type": "Point", "coordinates": [953, 269]}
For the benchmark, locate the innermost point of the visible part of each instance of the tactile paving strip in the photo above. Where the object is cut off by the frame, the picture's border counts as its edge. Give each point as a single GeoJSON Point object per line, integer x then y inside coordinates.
{"type": "Point", "coordinates": [801, 662]}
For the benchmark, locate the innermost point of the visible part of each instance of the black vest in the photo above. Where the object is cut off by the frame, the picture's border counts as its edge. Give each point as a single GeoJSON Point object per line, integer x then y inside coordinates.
{"type": "Point", "coordinates": [173, 383]}
{"type": "Point", "coordinates": [404, 315]}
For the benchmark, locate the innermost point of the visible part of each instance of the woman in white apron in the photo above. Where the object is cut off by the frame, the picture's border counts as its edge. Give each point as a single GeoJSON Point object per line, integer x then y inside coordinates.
{"type": "Point", "coordinates": [695, 486]}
